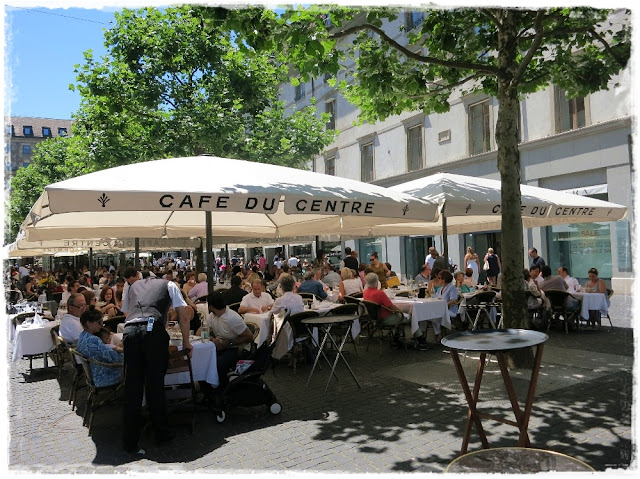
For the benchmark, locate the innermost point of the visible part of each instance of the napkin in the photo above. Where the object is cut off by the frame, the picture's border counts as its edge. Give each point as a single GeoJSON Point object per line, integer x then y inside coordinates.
{"type": "Point", "coordinates": [38, 322]}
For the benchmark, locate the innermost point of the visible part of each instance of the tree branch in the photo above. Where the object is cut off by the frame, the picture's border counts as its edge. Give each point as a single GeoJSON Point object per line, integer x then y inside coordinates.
{"type": "Point", "coordinates": [414, 56]}
{"type": "Point", "coordinates": [533, 48]}
{"type": "Point", "coordinates": [487, 12]}
{"type": "Point", "coordinates": [606, 46]}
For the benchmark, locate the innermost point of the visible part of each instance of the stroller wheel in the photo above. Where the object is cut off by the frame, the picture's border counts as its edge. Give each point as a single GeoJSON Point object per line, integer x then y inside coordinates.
{"type": "Point", "coordinates": [275, 408]}
{"type": "Point", "coordinates": [221, 416]}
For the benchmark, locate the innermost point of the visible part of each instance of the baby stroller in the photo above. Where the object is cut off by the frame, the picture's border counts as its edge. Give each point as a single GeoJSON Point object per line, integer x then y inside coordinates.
{"type": "Point", "coordinates": [247, 389]}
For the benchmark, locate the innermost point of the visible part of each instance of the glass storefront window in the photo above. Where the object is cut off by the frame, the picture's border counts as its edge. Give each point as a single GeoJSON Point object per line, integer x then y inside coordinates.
{"type": "Point", "coordinates": [333, 250]}
{"type": "Point", "coordinates": [369, 245]}
{"type": "Point", "coordinates": [580, 247]}
{"type": "Point", "coordinates": [416, 249]}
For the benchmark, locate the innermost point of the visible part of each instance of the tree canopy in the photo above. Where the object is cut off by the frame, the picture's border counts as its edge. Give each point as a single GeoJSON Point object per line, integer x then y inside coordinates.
{"type": "Point", "coordinates": [168, 88]}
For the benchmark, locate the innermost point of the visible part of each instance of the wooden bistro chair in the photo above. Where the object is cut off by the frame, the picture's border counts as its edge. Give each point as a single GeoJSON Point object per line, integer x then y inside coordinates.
{"type": "Point", "coordinates": [98, 396]}
{"type": "Point", "coordinates": [184, 394]}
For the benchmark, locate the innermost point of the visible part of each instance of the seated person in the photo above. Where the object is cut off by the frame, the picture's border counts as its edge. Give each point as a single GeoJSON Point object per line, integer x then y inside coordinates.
{"type": "Point", "coordinates": [595, 284]}
{"type": "Point", "coordinates": [349, 285]}
{"type": "Point", "coordinates": [331, 279]}
{"type": "Point", "coordinates": [375, 295]}
{"type": "Point", "coordinates": [468, 278]}
{"type": "Point", "coordinates": [449, 293]}
{"type": "Point", "coordinates": [311, 284]}
{"type": "Point", "coordinates": [534, 301]}
{"type": "Point", "coordinates": [257, 301]}
{"type": "Point", "coordinates": [536, 277]}
{"type": "Point", "coordinates": [108, 297]}
{"type": "Point", "coordinates": [228, 331]}
{"type": "Point", "coordinates": [289, 300]}
{"type": "Point", "coordinates": [93, 347]}
{"type": "Point", "coordinates": [235, 293]}
{"type": "Point", "coordinates": [556, 283]}
{"type": "Point", "coordinates": [70, 326]}
{"type": "Point", "coordinates": [460, 285]}
{"type": "Point", "coordinates": [434, 283]}
{"type": "Point", "coordinates": [423, 277]}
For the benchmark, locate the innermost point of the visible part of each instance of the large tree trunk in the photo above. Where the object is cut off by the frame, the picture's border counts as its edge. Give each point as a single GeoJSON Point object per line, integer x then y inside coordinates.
{"type": "Point", "coordinates": [513, 298]}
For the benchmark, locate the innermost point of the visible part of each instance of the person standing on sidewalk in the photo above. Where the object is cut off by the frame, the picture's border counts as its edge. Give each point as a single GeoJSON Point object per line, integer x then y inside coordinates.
{"type": "Point", "coordinates": [146, 352]}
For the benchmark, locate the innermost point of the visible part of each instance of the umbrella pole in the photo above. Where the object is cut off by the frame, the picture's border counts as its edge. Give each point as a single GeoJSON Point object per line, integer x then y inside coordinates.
{"type": "Point", "coordinates": [445, 242]}
{"type": "Point", "coordinates": [92, 269]}
{"type": "Point", "coordinates": [136, 258]}
{"type": "Point", "coordinates": [209, 245]}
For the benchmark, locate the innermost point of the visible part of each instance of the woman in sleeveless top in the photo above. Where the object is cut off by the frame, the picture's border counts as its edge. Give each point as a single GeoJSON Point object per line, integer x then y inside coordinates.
{"type": "Point", "coordinates": [379, 269]}
{"type": "Point", "coordinates": [471, 260]}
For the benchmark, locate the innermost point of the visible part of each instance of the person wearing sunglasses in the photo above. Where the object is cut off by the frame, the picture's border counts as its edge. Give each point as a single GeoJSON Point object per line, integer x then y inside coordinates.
{"type": "Point", "coordinates": [70, 327]}
{"type": "Point", "coordinates": [380, 269]}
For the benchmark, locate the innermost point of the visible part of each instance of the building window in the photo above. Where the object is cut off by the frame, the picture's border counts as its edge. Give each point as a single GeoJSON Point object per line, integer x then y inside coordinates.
{"type": "Point", "coordinates": [27, 130]}
{"type": "Point", "coordinates": [414, 148]}
{"type": "Point", "coordinates": [8, 129]}
{"type": "Point", "coordinates": [366, 167]}
{"type": "Point", "coordinates": [330, 166]}
{"type": "Point", "coordinates": [26, 149]}
{"type": "Point", "coordinates": [479, 128]}
{"type": "Point", "coordinates": [326, 19]}
{"type": "Point", "coordinates": [413, 19]}
{"type": "Point", "coordinates": [46, 132]}
{"type": "Point", "coordinates": [62, 132]}
{"type": "Point", "coordinates": [299, 94]}
{"type": "Point", "coordinates": [570, 114]}
{"type": "Point", "coordinates": [330, 109]}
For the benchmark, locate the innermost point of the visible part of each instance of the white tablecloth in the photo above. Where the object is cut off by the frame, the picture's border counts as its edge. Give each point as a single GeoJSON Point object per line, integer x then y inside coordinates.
{"type": "Point", "coordinates": [592, 302]}
{"type": "Point", "coordinates": [424, 309]}
{"type": "Point", "coordinates": [33, 339]}
{"type": "Point", "coordinates": [204, 363]}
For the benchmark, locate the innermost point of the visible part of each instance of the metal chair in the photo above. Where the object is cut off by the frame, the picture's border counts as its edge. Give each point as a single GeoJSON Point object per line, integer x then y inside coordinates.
{"type": "Point", "coordinates": [234, 306]}
{"type": "Point", "coordinates": [179, 395]}
{"type": "Point", "coordinates": [302, 339]}
{"type": "Point", "coordinates": [393, 323]}
{"type": "Point", "coordinates": [481, 303]}
{"type": "Point", "coordinates": [609, 294]}
{"type": "Point", "coordinates": [98, 396]}
{"type": "Point", "coordinates": [559, 311]}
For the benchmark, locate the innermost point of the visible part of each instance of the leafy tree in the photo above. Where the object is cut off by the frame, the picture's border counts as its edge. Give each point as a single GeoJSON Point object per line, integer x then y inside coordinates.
{"type": "Point", "coordinates": [55, 159]}
{"type": "Point", "coordinates": [505, 53]}
{"type": "Point", "coordinates": [168, 88]}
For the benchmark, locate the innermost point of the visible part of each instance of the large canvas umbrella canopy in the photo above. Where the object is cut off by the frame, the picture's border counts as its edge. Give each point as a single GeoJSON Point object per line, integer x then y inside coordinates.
{"type": "Point", "coordinates": [469, 204]}
{"type": "Point", "coordinates": [167, 198]}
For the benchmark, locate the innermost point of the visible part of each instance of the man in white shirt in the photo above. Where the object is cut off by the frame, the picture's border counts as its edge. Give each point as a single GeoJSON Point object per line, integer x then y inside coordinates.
{"type": "Point", "coordinates": [70, 327]}
{"type": "Point", "coordinates": [572, 284]}
{"type": "Point", "coordinates": [257, 301]}
{"type": "Point", "coordinates": [289, 300]}
{"type": "Point", "coordinates": [431, 257]}
{"type": "Point", "coordinates": [293, 262]}
{"type": "Point", "coordinates": [536, 277]}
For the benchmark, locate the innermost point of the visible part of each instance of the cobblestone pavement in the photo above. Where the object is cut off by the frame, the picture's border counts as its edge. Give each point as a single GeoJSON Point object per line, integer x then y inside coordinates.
{"type": "Point", "coordinates": [407, 417]}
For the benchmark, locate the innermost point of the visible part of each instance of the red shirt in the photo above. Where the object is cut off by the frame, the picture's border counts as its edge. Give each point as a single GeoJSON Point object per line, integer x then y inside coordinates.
{"type": "Point", "coordinates": [380, 297]}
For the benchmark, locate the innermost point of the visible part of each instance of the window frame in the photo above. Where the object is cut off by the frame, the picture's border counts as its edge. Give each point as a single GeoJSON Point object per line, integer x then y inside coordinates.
{"type": "Point", "coordinates": [411, 21]}
{"type": "Point", "coordinates": [421, 150]}
{"type": "Point", "coordinates": [26, 146]}
{"type": "Point", "coordinates": [573, 120]}
{"type": "Point", "coordinates": [330, 160]}
{"type": "Point", "coordinates": [364, 175]}
{"type": "Point", "coordinates": [486, 126]}
{"type": "Point", "coordinates": [331, 124]}
{"type": "Point", "coordinates": [47, 128]}
{"type": "Point", "coordinates": [27, 130]}
{"type": "Point", "coordinates": [62, 131]}
{"type": "Point", "coordinates": [299, 92]}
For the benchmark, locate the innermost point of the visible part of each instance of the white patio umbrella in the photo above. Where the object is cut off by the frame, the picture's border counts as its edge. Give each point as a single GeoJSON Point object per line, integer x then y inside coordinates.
{"type": "Point", "coordinates": [206, 195]}
{"type": "Point", "coordinates": [469, 204]}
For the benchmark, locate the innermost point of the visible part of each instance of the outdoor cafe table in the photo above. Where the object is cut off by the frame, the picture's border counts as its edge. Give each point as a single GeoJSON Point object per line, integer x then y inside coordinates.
{"type": "Point", "coordinates": [592, 302]}
{"type": "Point", "coordinates": [32, 339]}
{"type": "Point", "coordinates": [424, 309]}
{"type": "Point", "coordinates": [204, 362]}
{"type": "Point", "coordinates": [325, 323]}
{"type": "Point", "coordinates": [498, 342]}
{"type": "Point", "coordinates": [516, 460]}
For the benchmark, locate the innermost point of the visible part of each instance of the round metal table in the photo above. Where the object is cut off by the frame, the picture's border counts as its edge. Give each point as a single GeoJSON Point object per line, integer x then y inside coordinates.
{"type": "Point", "coordinates": [516, 460]}
{"type": "Point", "coordinates": [498, 342]}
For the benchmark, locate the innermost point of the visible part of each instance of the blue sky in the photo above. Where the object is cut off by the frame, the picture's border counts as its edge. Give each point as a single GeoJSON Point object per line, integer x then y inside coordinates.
{"type": "Point", "coordinates": [41, 48]}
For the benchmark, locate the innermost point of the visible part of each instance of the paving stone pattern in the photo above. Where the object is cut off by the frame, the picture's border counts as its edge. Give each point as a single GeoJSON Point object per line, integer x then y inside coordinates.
{"type": "Point", "coordinates": [408, 416]}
